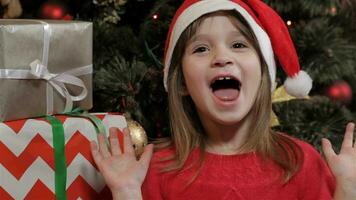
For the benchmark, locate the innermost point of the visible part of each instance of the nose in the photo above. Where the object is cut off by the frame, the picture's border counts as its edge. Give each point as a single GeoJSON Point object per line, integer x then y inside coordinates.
{"type": "Point", "coordinates": [221, 59]}
{"type": "Point", "coordinates": [222, 62]}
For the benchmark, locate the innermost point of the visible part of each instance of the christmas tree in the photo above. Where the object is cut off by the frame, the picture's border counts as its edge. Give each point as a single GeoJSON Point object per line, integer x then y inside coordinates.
{"type": "Point", "coordinates": [129, 37]}
{"type": "Point", "coordinates": [322, 32]}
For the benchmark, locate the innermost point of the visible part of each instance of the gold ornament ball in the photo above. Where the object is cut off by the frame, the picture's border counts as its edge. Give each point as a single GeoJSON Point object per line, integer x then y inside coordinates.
{"type": "Point", "coordinates": [138, 136]}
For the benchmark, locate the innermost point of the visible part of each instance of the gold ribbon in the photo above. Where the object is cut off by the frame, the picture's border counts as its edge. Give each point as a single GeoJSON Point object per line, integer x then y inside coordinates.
{"type": "Point", "coordinates": [280, 95]}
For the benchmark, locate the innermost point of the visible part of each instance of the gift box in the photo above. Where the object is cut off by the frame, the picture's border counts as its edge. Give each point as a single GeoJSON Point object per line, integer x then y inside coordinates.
{"type": "Point", "coordinates": [45, 67]}
{"type": "Point", "coordinates": [30, 163]}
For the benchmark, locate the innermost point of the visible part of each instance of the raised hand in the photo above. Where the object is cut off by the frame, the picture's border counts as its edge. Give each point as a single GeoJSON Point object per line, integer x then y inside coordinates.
{"type": "Point", "coordinates": [343, 165]}
{"type": "Point", "coordinates": [123, 173]}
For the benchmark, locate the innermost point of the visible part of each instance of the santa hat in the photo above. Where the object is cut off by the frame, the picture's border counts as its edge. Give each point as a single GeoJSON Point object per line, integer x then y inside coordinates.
{"type": "Point", "coordinates": [270, 30]}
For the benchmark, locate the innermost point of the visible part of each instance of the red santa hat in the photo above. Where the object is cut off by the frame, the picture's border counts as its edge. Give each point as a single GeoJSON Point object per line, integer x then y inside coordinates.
{"type": "Point", "coordinates": [270, 30]}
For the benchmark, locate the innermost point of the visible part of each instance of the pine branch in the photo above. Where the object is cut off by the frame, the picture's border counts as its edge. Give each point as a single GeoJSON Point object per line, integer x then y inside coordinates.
{"type": "Point", "coordinates": [301, 9]}
{"type": "Point", "coordinates": [120, 82]}
{"type": "Point", "coordinates": [313, 119]}
{"type": "Point", "coordinates": [324, 51]}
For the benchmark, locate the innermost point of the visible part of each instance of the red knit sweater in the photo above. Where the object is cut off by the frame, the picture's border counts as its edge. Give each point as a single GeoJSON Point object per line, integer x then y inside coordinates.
{"type": "Point", "coordinates": [243, 176]}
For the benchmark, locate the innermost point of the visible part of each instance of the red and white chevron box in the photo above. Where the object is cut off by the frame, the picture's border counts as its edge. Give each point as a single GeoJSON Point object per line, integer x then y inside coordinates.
{"type": "Point", "coordinates": [27, 158]}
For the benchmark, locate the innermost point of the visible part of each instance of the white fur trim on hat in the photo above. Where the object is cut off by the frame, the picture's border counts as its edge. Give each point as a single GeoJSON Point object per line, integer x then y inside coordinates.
{"type": "Point", "coordinates": [299, 85]}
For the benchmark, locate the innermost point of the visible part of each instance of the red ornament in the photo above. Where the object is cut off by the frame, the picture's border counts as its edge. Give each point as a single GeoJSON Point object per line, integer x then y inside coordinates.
{"type": "Point", "coordinates": [53, 10]}
{"type": "Point", "coordinates": [67, 17]}
{"type": "Point", "coordinates": [340, 91]}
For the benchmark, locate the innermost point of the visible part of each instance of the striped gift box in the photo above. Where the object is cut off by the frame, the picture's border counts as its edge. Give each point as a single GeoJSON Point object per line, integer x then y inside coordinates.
{"type": "Point", "coordinates": [27, 161]}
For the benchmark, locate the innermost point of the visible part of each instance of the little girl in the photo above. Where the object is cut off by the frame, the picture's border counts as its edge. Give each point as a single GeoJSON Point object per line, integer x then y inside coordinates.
{"type": "Point", "coordinates": [220, 66]}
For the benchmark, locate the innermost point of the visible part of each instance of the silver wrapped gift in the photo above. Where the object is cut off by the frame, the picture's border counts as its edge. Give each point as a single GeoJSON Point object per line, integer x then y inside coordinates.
{"type": "Point", "coordinates": [45, 67]}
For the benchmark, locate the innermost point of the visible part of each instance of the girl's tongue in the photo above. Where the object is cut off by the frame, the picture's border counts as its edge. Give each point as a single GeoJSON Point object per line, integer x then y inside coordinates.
{"type": "Point", "coordinates": [227, 94]}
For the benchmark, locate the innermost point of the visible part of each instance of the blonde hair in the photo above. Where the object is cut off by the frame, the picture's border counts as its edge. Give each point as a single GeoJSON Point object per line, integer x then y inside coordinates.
{"type": "Point", "coordinates": [187, 131]}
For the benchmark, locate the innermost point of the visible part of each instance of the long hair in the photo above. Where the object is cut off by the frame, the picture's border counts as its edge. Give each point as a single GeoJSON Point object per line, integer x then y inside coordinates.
{"type": "Point", "coordinates": [187, 131]}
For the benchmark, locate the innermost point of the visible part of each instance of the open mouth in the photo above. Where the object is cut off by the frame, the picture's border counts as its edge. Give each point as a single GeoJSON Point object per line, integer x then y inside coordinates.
{"type": "Point", "coordinates": [226, 88]}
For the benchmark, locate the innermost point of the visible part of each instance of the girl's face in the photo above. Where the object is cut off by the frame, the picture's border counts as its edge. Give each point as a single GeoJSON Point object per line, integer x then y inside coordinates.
{"type": "Point", "coordinates": [222, 71]}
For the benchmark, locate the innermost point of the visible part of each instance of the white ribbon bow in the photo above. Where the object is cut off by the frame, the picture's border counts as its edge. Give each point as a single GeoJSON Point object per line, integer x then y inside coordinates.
{"type": "Point", "coordinates": [57, 81]}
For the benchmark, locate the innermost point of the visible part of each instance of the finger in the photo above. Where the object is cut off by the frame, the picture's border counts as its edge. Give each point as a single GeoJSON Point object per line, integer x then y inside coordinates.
{"type": "Point", "coordinates": [348, 138]}
{"type": "Point", "coordinates": [95, 152]}
{"type": "Point", "coordinates": [103, 149]}
{"type": "Point", "coordinates": [128, 148]}
{"type": "Point", "coordinates": [114, 142]}
{"type": "Point", "coordinates": [327, 149]}
{"type": "Point", "coordinates": [146, 156]}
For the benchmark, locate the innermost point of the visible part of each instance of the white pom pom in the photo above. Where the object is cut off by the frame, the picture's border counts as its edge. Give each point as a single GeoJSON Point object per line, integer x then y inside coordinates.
{"type": "Point", "coordinates": [299, 85]}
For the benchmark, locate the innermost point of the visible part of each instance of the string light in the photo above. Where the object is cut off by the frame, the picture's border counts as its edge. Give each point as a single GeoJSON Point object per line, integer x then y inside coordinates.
{"type": "Point", "coordinates": [333, 10]}
{"type": "Point", "coordinates": [289, 22]}
{"type": "Point", "coordinates": [155, 16]}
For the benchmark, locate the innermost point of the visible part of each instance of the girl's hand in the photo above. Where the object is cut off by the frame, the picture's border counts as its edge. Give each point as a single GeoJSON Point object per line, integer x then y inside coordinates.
{"type": "Point", "coordinates": [122, 172]}
{"type": "Point", "coordinates": [343, 165]}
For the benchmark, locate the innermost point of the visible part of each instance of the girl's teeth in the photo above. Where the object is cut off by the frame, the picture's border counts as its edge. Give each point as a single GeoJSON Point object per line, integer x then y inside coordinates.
{"type": "Point", "coordinates": [224, 78]}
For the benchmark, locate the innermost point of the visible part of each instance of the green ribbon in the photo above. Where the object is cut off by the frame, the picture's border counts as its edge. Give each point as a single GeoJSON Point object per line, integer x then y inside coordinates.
{"type": "Point", "coordinates": [98, 124]}
{"type": "Point", "coordinates": [60, 169]}
{"type": "Point", "coordinates": [99, 127]}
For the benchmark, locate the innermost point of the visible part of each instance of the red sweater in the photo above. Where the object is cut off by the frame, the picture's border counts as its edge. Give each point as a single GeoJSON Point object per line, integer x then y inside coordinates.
{"type": "Point", "coordinates": [243, 176]}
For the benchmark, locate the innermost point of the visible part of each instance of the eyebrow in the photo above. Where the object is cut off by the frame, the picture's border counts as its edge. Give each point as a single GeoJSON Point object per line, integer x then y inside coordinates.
{"type": "Point", "coordinates": [206, 36]}
{"type": "Point", "coordinates": [198, 37]}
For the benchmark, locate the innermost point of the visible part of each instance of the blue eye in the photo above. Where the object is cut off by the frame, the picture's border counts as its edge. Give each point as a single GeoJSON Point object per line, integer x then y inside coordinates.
{"type": "Point", "coordinates": [238, 45]}
{"type": "Point", "coordinates": [200, 50]}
